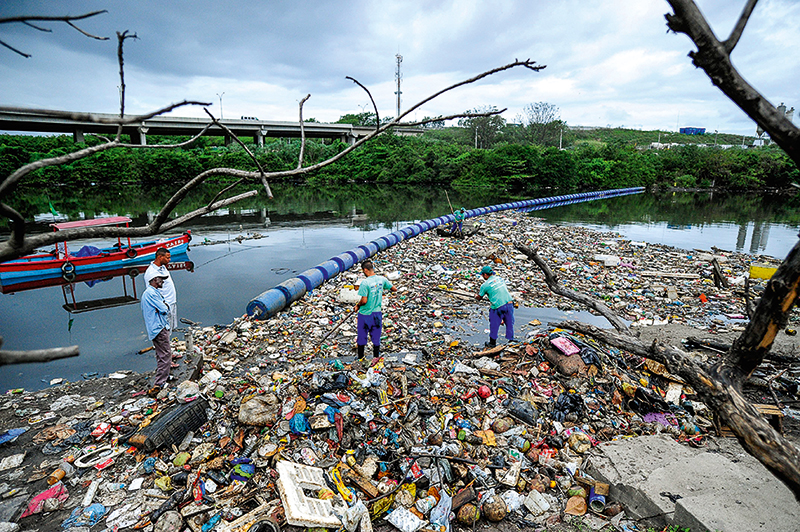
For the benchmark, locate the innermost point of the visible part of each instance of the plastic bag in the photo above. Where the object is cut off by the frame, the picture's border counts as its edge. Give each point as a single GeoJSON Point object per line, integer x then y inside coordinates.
{"type": "Point", "coordinates": [440, 515]}
{"type": "Point", "coordinates": [404, 520]}
{"type": "Point", "coordinates": [299, 424]}
{"type": "Point", "coordinates": [513, 500]}
{"type": "Point", "coordinates": [58, 492]}
{"type": "Point", "coordinates": [353, 516]}
{"type": "Point", "coordinates": [89, 516]}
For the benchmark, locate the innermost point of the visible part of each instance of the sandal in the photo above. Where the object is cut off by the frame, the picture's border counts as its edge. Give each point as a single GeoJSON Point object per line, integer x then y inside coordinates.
{"type": "Point", "coordinates": [174, 366]}
{"type": "Point", "coordinates": [177, 357]}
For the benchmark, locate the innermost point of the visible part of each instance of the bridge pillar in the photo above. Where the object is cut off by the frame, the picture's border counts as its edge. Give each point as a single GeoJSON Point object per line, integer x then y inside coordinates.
{"type": "Point", "coordinates": [77, 136]}
{"type": "Point", "coordinates": [350, 139]}
{"type": "Point", "coordinates": [140, 135]}
{"type": "Point", "coordinates": [260, 134]}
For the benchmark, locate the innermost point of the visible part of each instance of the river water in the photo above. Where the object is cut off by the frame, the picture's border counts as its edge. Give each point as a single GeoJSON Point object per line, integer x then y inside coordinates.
{"type": "Point", "coordinates": [303, 227]}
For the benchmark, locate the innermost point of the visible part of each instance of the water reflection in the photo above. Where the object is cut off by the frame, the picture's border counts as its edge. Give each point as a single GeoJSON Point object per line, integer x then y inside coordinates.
{"type": "Point", "coordinates": [750, 223]}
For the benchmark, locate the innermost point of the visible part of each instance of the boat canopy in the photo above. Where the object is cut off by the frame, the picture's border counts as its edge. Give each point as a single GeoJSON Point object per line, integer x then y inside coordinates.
{"type": "Point", "coordinates": [95, 222]}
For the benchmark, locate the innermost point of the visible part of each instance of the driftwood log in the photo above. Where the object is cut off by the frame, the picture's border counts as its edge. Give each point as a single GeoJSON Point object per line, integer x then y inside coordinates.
{"type": "Point", "coordinates": [719, 385]}
{"type": "Point", "coordinates": [37, 355]}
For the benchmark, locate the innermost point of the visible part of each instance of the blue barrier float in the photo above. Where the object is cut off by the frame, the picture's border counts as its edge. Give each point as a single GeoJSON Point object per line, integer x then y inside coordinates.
{"type": "Point", "coordinates": [329, 269]}
{"type": "Point", "coordinates": [312, 278]}
{"type": "Point", "coordinates": [370, 248]}
{"type": "Point", "coordinates": [345, 261]}
{"type": "Point", "coordinates": [293, 289]}
{"type": "Point", "coordinates": [267, 304]}
{"type": "Point", "coordinates": [276, 299]}
{"type": "Point", "coordinates": [358, 254]}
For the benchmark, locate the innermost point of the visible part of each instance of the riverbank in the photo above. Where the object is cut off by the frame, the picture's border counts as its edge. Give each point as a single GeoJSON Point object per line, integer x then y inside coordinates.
{"type": "Point", "coordinates": [420, 395]}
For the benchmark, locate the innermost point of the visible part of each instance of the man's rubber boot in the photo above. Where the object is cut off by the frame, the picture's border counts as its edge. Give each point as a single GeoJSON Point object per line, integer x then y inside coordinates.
{"type": "Point", "coordinates": [376, 351]}
{"type": "Point", "coordinates": [491, 343]}
{"type": "Point", "coordinates": [361, 352]}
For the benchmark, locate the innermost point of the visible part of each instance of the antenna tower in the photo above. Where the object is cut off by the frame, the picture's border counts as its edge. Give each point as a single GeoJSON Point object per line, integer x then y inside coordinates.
{"type": "Point", "coordinates": [398, 76]}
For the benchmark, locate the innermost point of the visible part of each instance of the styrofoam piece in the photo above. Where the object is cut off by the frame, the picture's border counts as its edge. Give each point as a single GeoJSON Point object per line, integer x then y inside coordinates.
{"type": "Point", "coordinates": [302, 510]}
{"type": "Point", "coordinates": [536, 503]}
{"type": "Point", "coordinates": [349, 296]}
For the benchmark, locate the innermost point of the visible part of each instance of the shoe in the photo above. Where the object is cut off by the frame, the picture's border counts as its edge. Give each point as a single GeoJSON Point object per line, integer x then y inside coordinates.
{"type": "Point", "coordinates": [490, 343]}
{"type": "Point", "coordinates": [154, 391]}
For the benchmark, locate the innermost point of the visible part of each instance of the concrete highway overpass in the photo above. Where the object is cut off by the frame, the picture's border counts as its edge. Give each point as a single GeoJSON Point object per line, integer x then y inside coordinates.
{"type": "Point", "coordinates": [258, 130]}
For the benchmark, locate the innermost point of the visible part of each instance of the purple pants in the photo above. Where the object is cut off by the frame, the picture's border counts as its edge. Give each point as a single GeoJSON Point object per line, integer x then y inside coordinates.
{"type": "Point", "coordinates": [500, 315]}
{"type": "Point", "coordinates": [369, 325]}
{"type": "Point", "coordinates": [163, 356]}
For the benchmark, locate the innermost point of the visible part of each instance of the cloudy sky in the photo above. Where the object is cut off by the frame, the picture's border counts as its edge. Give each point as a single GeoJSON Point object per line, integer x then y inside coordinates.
{"type": "Point", "coordinates": [609, 62]}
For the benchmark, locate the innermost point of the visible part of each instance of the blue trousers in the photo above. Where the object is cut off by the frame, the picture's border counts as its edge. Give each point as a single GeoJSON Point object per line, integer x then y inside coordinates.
{"type": "Point", "coordinates": [369, 325]}
{"type": "Point", "coordinates": [504, 314]}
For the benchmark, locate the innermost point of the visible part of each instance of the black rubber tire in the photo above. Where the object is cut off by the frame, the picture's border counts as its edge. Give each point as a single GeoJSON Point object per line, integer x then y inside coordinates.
{"type": "Point", "coordinates": [69, 276]}
{"type": "Point", "coordinates": [134, 273]}
{"type": "Point", "coordinates": [67, 267]}
{"type": "Point", "coordinates": [131, 253]}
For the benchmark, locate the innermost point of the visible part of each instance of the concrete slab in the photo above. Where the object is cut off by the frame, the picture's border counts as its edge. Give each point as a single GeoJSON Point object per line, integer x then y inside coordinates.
{"type": "Point", "coordinates": [718, 489]}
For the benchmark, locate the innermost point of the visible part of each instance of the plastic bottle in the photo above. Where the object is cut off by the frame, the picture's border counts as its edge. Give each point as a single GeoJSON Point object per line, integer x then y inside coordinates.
{"type": "Point", "coordinates": [114, 486]}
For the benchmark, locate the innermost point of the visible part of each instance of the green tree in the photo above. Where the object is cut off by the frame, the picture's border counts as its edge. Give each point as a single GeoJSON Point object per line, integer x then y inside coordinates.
{"type": "Point", "coordinates": [541, 124]}
{"type": "Point", "coordinates": [483, 130]}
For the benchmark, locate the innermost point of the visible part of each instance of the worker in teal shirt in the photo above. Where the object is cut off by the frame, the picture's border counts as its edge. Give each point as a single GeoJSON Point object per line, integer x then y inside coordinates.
{"type": "Point", "coordinates": [501, 306]}
{"type": "Point", "coordinates": [457, 228]}
{"type": "Point", "coordinates": [370, 317]}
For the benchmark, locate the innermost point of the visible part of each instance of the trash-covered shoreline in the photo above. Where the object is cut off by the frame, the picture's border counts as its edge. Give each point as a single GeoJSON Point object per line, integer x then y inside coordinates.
{"type": "Point", "coordinates": [273, 425]}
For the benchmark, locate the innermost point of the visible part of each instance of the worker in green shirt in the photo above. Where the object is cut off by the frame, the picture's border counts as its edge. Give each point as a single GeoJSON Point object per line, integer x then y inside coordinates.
{"type": "Point", "coordinates": [370, 318]}
{"type": "Point", "coordinates": [501, 306]}
{"type": "Point", "coordinates": [457, 229]}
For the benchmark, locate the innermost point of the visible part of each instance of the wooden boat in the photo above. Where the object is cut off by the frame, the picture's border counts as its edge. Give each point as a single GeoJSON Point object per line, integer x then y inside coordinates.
{"type": "Point", "coordinates": [73, 305]}
{"type": "Point", "coordinates": [68, 266]}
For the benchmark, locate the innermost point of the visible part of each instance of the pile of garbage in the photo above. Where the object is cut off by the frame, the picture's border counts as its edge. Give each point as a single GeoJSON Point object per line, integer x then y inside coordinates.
{"type": "Point", "coordinates": [281, 427]}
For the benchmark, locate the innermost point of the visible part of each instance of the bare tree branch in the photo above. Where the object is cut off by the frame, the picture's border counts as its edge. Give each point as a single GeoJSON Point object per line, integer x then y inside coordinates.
{"type": "Point", "coordinates": [451, 117]}
{"type": "Point", "coordinates": [27, 20]}
{"type": "Point", "coordinates": [17, 225]}
{"type": "Point", "coordinates": [23, 54]}
{"type": "Point", "coordinates": [54, 18]}
{"type": "Point", "coordinates": [224, 190]}
{"type": "Point", "coordinates": [374, 106]}
{"type": "Point", "coordinates": [120, 42]}
{"type": "Point", "coordinates": [94, 119]}
{"type": "Point", "coordinates": [302, 132]}
{"type": "Point", "coordinates": [714, 58]}
{"type": "Point", "coordinates": [207, 209]}
{"type": "Point", "coordinates": [39, 28]}
{"type": "Point", "coordinates": [733, 39]}
{"type": "Point", "coordinates": [771, 315]}
{"type": "Point", "coordinates": [86, 33]}
{"type": "Point", "coordinates": [552, 283]}
{"type": "Point", "coordinates": [162, 146]}
{"type": "Point", "coordinates": [9, 182]}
